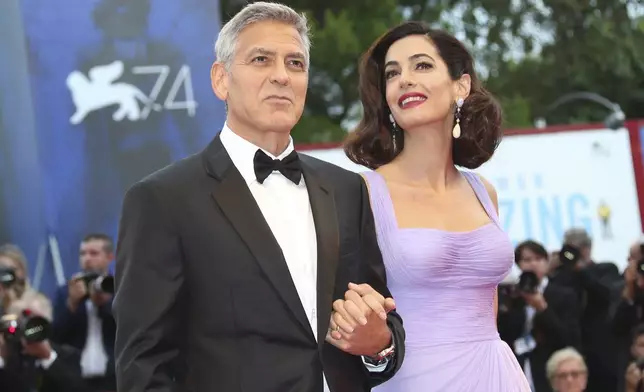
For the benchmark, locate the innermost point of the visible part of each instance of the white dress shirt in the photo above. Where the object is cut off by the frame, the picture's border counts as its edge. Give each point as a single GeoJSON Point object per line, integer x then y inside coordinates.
{"type": "Point", "coordinates": [526, 343]}
{"type": "Point", "coordinates": [287, 210]}
{"type": "Point", "coordinates": [94, 358]}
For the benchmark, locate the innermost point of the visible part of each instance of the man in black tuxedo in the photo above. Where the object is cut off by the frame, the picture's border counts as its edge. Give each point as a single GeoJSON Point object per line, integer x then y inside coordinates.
{"type": "Point", "coordinates": [598, 286]}
{"type": "Point", "coordinates": [232, 263]}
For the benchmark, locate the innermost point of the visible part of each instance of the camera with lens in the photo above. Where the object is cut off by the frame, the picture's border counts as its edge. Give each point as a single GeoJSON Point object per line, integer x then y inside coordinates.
{"type": "Point", "coordinates": [99, 282]}
{"type": "Point", "coordinates": [569, 255]}
{"type": "Point", "coordinates": [528, 282]}
{"type": "Point", "coordinates": [7, 277]}
{"type": "Point", "coordinates": [27, 326]}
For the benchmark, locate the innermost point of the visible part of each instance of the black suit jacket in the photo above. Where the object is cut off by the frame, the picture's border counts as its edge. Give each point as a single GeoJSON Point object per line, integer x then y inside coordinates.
{"type": "Point", "coordinates": [553, 329]}
{"type": "Point", "coordinates": [598, 286]}
{"type": "Point", "coordinates": [204, 299]}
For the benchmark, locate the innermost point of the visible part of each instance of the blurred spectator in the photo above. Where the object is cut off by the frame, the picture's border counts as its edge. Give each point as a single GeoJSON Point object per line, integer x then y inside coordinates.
{"type": "Point", "coordinates": [83, 314]}
{"type": "Point", "coordinates": [26, 366]}
{"type": "Point", "coordinates": [630, 308]}
{"type": "Point", "coordinates": [633, 378]}
{"type": "Point", "coordinates": [15, 295]}
{"type": "Point", "coordinates": [539, 317]}
{"type": "Point", "coordinates": [596, 285]}
{"type": "Point", "coordinates": [554, 262]}
{"type": "Point", "coordinates": [567, 371]}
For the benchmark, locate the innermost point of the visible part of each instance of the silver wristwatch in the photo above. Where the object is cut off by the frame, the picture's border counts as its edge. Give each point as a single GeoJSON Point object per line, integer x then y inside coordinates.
{"type": "Point", "coordinates": [383, 355]}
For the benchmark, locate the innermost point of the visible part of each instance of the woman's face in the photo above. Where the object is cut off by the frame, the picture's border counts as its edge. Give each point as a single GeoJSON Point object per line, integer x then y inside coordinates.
{"type": "Point", "coordinates": [570, 377]}
{"type": "Point", "coordinates": [419, 90]}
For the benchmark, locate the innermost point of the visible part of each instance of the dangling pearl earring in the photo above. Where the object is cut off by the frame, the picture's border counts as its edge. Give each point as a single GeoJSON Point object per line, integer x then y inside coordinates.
{"type": "Point", "coordinates": [393, 131]}
{"type": "Point", "coordinates": [456, 132]}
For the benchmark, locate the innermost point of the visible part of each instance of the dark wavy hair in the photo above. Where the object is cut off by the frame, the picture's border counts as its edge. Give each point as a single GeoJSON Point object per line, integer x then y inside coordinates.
{"type": "Point", "coordinates": [481, 116]}
{"type": "Point", "coordinates": [532, 246]}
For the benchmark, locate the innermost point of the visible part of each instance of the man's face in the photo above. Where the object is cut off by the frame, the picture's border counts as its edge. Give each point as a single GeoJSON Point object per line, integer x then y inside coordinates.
{"type": "Point", "coordinates": [94, 257]}
{"type": "Point", "coordinates": [637, 348]}
{"type": "Point", "coordinates": [265, 86]}
{"type": "Point", "coordinates": [531, 261]}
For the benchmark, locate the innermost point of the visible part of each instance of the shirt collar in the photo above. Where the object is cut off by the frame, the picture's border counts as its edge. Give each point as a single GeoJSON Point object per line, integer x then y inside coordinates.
{"type": "Point", "coordinates": [242, 152]}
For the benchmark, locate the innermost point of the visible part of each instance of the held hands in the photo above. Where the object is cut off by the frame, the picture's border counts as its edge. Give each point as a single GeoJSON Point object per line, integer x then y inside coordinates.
{"type": "Point", "coordinates": [359, 322]}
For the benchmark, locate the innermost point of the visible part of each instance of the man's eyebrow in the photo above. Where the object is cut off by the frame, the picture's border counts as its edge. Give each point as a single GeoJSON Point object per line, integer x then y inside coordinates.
{"type": "Point", "coordinates": [297, 55]}
{"type": "Point", "coordinates": [261, 51]}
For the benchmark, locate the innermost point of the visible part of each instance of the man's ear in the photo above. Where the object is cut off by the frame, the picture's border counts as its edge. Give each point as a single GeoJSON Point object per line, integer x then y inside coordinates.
{"type": "Point", "coordinates": [463, 86]}
{"type": "Point", "coordinates": [219, 80]}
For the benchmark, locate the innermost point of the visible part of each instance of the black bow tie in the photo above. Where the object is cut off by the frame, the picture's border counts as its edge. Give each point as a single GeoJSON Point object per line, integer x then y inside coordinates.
{"type": "Point", "coordinates": [289, 166]}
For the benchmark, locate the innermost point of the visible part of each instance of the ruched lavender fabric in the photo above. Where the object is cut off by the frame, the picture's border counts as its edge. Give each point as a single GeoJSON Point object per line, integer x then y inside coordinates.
{"type": "Point", "coordinates": [444, 285]}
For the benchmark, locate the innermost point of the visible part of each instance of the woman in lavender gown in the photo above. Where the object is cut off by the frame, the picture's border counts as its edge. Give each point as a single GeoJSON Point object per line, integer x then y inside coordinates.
{"type": "Point", "coordinates": [425, 113]}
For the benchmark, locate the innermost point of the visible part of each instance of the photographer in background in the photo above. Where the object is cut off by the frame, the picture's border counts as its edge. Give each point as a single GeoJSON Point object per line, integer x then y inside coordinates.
{"type": "Point", "coordinates": [83, 313]}
{"type": "Point", "coordinates": [634, 378]}
{"type": "Point", "coordinates": [630, 309]}
{"type": "Point", "coordinates": [15, 290]}
{"type": "Point", "coordinates": [28, 361]}
{"type": "Point", "coordinates": [594, 284]}
{"type": "Point", "coordinates": [537, 318]}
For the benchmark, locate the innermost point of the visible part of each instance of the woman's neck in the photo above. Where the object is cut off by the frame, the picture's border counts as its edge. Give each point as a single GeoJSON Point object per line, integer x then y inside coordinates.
{"type": "Point", "coordinates": [427, 158]}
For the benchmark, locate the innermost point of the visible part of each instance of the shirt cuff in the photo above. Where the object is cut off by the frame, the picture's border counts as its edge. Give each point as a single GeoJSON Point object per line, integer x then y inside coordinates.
{"type": "Point", "coordinates": [375, 368]}
{"type": "Point", "coordinates": [46, 363]}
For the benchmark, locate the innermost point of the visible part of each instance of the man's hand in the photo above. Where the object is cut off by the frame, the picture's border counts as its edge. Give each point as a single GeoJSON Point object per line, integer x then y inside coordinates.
{"type": "Point", "coordinates": [536, 300]}
{"type": "Point", "coordinates": [633, 377]}
{"type": "Point", "coordinates": [99, 298]}
{"type": "Point", "coordinates": [39, 350]}
{"type": "Point", "coordinates": [358, 323]}
{"type": "Point", "coordinates": [76, 292]}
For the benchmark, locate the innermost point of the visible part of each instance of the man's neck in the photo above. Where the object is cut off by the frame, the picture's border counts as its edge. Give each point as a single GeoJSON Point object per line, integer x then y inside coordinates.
{"type": "Point", "coordinates": [273, 142]}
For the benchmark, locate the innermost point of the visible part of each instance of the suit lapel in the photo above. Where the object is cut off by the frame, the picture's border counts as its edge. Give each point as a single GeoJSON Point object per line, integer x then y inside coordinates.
{"type": "Point", "coordinates": [326, 229]}
{"type": "Point", "coordinates": [237, 203]}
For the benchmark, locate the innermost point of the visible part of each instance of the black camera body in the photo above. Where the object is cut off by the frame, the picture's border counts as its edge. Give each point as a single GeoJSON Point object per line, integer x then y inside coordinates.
{"type": "Point", "coordinates": [7, 277]}
{"type": "Point", "coordinates": [528, 282]}
{"type": "Point", "coordinates": [100, 282]}
{"type": "Point", "coordinates": [27, 326]}
{"type": "Point", "coordinates": [569, 255]}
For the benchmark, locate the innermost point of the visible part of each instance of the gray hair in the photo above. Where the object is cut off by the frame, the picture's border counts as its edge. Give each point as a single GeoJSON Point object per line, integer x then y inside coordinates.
{"type": "Point", "coordinates": [561, 356]}
{"type": "Point", "coordinates": [259, 12]}
{"type": "Point", "coordinates": [14, 253]}
{"type": "Point", "coordinates": [578, 237]}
